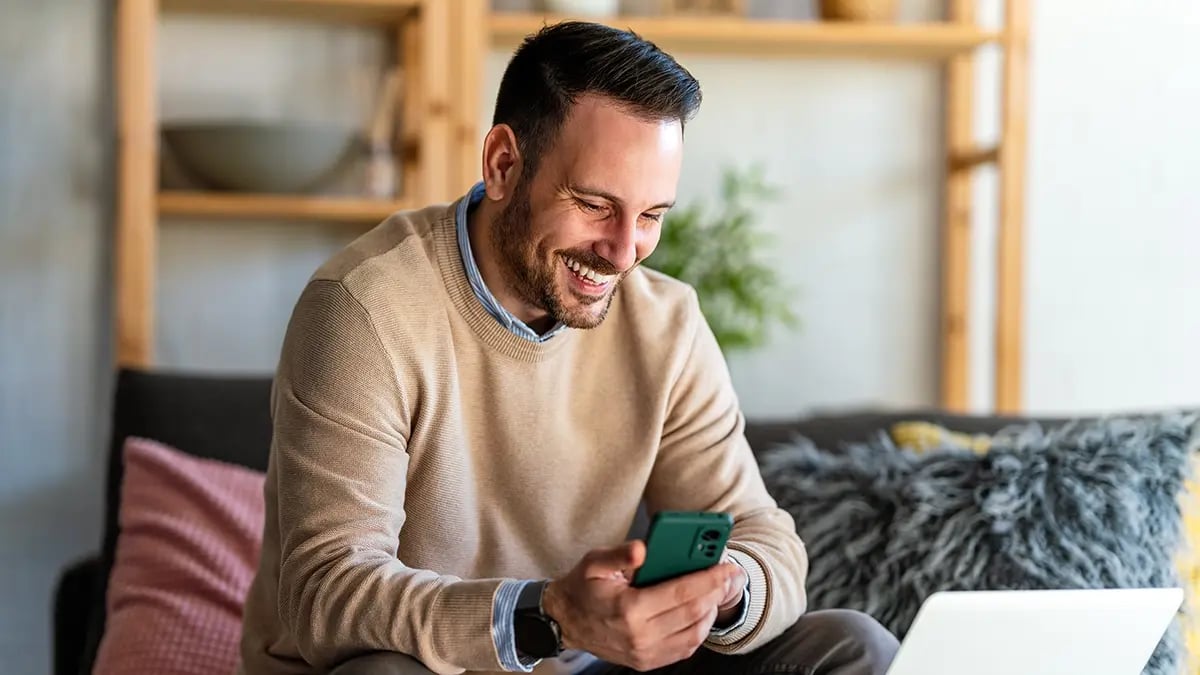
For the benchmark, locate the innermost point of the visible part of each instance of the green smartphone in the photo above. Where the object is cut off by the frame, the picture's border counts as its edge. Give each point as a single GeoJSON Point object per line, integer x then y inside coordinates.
{"type": "Point", "coordinates": [682, 542]}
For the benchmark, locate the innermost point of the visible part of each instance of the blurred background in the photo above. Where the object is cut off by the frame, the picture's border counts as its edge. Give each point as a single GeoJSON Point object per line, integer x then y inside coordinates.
{"type": "Point", "coordinates": [854, 147]}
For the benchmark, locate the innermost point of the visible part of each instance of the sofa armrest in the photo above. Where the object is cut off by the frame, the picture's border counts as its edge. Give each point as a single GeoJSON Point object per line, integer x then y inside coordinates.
{"type": "Point", "coordinates": [73, 602]}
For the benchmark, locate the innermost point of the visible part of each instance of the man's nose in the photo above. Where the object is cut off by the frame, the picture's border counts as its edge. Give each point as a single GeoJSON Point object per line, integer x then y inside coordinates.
{"type": "Point", "coordinates": [619, 245]}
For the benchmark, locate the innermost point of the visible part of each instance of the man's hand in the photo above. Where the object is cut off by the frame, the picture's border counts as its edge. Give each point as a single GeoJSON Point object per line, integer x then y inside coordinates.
{"type": "Point", "coordinates": [642, 628]}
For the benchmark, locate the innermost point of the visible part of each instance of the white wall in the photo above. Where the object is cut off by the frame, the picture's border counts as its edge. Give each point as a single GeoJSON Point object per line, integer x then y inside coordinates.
{"type": "Point", "coordinates": [1113, 297]}
{"type": "Point", "coordinates": [1114, 234]}
{"type": "Point", "coordinates": [854, 149]}
{"type": "Point", "coordinates": [54, 303]}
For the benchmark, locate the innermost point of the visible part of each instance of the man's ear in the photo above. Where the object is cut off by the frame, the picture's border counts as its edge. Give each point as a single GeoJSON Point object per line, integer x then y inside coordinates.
{"type": "Point", "coordinates": [502, 162]}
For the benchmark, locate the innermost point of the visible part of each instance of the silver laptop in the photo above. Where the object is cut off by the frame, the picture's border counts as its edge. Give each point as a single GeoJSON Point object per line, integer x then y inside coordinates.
{"type": "Point", "coordinates": [1084, 632]}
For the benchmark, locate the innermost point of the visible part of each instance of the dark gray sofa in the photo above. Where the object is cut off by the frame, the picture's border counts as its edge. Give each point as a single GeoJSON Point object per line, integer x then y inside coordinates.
{"type": "Point", "coordinates": [227, 418]}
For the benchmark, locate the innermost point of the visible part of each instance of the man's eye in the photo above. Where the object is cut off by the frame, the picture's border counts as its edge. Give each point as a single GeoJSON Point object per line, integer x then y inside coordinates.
{"type": "Point", "coordinates": [653, 217]}
{"type": "Point", "coordinates": [588, 206]}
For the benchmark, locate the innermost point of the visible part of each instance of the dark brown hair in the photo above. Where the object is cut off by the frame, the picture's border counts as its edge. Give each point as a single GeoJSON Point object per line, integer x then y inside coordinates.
{"type": "Point", "coordinates": [558, 64]}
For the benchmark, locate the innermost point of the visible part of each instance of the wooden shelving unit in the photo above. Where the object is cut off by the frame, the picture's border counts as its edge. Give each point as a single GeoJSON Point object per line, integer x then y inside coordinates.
{"type": "Point", "coordinates": [443, 44]}
{"type": "Point", "coordinates": [749, 37]}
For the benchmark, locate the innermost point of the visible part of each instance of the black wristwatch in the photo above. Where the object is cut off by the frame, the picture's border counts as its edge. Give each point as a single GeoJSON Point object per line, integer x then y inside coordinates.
{"type": "Point", "coordinates": [538, 636]}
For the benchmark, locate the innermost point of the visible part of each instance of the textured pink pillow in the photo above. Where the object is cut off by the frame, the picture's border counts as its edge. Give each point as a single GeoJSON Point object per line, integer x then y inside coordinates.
{"type": "Point", "coordinates": [191, 530]}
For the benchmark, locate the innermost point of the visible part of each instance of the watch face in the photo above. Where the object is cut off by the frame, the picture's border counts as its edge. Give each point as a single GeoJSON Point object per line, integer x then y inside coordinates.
{"type": "Point", "coordinates": [535, 637]}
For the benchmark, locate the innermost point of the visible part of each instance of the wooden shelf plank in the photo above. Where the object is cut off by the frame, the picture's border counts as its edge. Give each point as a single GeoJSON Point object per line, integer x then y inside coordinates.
{"type": "Point", "coordinates": [229, 205]}
{"type": "Point", "coordinates": [324, 10]}
{"type": "Point", "coordinates": [752, 37]}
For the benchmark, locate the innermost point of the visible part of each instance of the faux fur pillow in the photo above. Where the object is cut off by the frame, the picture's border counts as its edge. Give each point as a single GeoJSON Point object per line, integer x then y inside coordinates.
{"type": "Point", "coordinates": [1089, 505]}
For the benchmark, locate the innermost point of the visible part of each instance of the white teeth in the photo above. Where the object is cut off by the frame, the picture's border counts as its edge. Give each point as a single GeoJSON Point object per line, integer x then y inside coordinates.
{"type": "Point", "coordinates": [587, 273]}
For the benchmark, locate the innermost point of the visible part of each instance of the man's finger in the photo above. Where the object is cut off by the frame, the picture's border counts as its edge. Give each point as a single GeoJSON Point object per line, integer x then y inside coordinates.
{"type": "Point", "coordinates": [682, 644]}
{"type": "Point", "coordinates": [685, 614]}
{"type": "Point", "coordinates": [668, 595]}
{"type": "Point", "coordinates": [607, 562]}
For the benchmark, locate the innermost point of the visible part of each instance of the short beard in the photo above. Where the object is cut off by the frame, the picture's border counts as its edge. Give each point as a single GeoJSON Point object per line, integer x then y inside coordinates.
{"type": "Point", "coordinates": [524, 268]}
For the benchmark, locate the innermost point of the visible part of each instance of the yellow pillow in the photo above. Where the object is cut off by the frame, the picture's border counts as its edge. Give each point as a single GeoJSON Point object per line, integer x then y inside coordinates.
{"type": "Point", "coordinates": [922, 436]}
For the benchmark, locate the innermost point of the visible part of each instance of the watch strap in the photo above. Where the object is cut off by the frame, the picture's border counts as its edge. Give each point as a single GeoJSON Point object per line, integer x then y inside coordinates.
{"type": "Point", "coordinates": [529, 605]}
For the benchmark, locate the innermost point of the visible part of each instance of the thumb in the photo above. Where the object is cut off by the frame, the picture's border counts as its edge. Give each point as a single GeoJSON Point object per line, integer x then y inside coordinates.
{"type": "Point", "coordinates": [607, 562]}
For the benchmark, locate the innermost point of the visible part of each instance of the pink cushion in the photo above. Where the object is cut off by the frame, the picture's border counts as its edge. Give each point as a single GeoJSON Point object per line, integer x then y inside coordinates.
{"type": "Point", "coordinates": [191, 530]}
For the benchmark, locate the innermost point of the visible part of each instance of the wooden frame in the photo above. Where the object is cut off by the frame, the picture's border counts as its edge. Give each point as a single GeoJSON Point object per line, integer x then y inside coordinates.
{"type": "Point", "coordinates": [1011, 257]}
{"type": "Point", "coordinates": [963, 157]}
{"type": "Point", "coordinates": [956, 219]}
{"type": "Point", "coordinates": [759, 37]}
{"type": "Point", "coordinates": [137, 159]}
{"type": "Point", "coordinates": [468, 47]}
{"type": "Point", "coordinates": [441, 46]}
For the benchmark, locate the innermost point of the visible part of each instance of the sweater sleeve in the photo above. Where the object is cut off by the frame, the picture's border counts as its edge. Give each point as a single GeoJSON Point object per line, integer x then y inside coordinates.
{"type": "Point", "coordinates": [705, 464]}
{"type": "Point", "coordinates": [340, 434]}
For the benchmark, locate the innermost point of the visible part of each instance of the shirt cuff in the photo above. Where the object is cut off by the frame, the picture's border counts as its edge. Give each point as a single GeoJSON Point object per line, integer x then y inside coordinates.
{"type": "Point", "coordinates": [503, 634]}
{"type": "Point", "coordinates": [743, 611]}
{"type": "Point", "coordinates": [756, 602]}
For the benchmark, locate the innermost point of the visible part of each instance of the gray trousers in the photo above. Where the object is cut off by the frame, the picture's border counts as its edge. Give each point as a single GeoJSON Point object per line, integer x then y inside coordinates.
{"type": "Point", "coordinates": [829, 642]}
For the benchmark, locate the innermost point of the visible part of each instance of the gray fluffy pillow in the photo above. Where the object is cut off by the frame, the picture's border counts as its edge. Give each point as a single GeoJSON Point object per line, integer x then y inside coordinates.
{"type": "Point", "coordinates": [1089, 505]}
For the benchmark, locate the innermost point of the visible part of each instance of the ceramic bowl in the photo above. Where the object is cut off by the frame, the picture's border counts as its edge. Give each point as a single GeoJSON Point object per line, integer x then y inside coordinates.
{"type": "Point", "coordinates": [254, 156]}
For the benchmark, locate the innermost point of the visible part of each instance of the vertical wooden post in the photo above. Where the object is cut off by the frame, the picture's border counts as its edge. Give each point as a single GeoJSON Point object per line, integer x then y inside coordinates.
{"type": "Point", "coordinates": [469, 49]}
{"type": "Point", "coordinates": [956, 222]}
{"type": "Point", "coordinates": [137, 180]}
{"type": "Point", "coordinates": [436, 119]}
{"type": "Point", "coordinates": [408, 54]}
{"type": "Point", "coordinates": [1010, 263]}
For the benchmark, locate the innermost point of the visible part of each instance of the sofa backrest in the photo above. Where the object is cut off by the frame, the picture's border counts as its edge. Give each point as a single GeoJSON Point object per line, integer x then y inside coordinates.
{"type": "Point", "coordinates": [228, 419]}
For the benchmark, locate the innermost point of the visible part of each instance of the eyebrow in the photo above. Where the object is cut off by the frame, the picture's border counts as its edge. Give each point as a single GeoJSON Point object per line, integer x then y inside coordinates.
{"type": "Point", "coordinates": [594, 192]}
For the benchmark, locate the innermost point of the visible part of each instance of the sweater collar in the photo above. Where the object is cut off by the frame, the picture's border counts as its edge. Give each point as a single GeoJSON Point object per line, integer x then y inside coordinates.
{"type": "Point", "coordinates": [463, 296]}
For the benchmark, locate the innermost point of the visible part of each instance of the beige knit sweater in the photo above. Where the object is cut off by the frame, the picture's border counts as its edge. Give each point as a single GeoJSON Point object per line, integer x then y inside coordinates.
{"type": "Point", "coordinates": [422, 453]}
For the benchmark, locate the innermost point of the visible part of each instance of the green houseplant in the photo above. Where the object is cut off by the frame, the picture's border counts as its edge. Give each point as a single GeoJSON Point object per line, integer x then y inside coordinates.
{"type": "Point", "coordinates": [717, 251]}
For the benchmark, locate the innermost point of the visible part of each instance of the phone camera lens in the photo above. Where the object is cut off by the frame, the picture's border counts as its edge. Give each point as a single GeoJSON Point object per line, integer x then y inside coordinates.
{"type": "Point", "coordinates": [710, 535]}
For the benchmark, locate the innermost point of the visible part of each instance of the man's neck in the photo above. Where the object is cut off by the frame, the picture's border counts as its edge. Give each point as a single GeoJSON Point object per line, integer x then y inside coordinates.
{"type": "Point", "coordinates": [479, 231]}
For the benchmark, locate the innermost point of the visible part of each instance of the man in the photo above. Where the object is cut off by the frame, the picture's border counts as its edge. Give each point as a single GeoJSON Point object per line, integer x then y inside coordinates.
{"type": "Point", "coordinates": [472, 400]}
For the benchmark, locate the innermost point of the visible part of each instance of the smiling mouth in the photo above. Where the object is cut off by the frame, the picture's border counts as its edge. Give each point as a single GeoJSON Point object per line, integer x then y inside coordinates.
{"type": "Point", "coordinates": [588, 278]}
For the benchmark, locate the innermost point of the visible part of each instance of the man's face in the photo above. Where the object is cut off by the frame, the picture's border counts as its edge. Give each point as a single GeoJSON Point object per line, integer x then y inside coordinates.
{"type": "Point", "coordinates": [592, 211]}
